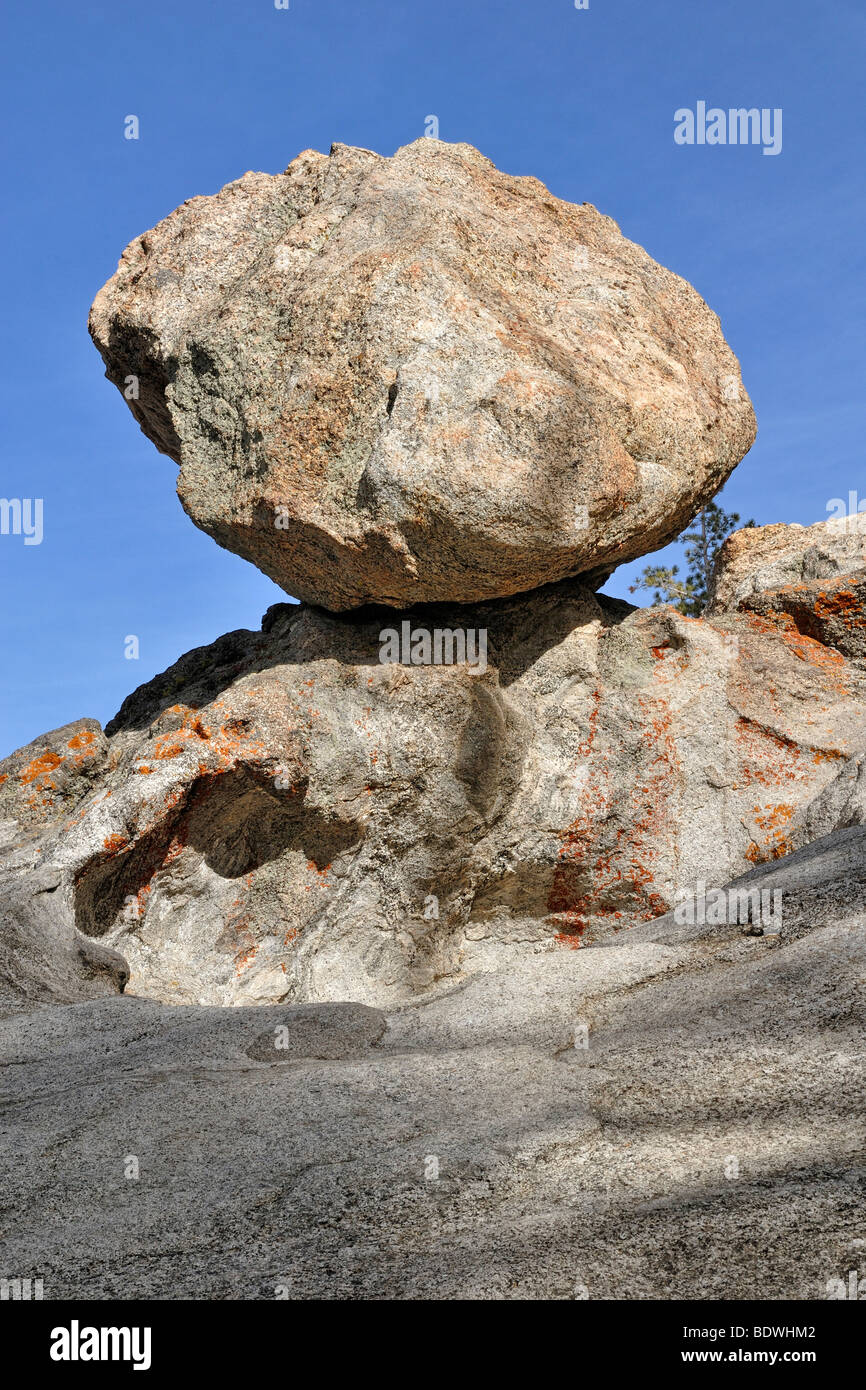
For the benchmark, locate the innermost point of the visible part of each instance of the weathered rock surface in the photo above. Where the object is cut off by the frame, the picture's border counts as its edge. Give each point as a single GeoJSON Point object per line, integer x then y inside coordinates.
{"type": "Point", "coordinates": [841, 805]}
{"type": "Point", "coordinates": [281, 816]}
{"type": "Point", "coordinates": [52, 774]}
{"type": "Point", "coordinates": [812, 577]}
{"type": "Point", "coordinates": [420, 379]}
{"type": "Point", "coordinates": [43, 956]}
{"type": "Point", "coordinates": [678, 1116]}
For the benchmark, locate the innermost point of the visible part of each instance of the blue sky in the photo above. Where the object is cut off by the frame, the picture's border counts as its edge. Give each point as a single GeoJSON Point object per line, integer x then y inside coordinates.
{"type": "Point", "coordinates": [583, 100]}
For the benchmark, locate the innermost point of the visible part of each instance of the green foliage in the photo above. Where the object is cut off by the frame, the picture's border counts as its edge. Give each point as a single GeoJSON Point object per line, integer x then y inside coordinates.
{"type": "Point", "coordinates": [680, 593]}
{"type": "Point", "coordinates": [702, 542]}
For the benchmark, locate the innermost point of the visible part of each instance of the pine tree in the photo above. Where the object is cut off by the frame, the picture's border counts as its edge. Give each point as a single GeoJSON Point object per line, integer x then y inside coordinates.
{"type": "Point", "coordinates": [702, 542]}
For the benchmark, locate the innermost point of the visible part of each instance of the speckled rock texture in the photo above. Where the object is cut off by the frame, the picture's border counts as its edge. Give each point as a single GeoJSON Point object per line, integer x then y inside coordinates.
{"type": "Point", "coordinates": [676, 1116]}
{"type": "Point", "coordinates": [810, 578]}
{"type": "Point", "coordinates": [281, 816]}
{"type": "Point", "coordinates": [419, 379]}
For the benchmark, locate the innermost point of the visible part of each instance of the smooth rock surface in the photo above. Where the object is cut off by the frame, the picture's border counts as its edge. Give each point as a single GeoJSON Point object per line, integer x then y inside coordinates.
{"type": "Point", "coordinates": [669, 1118]}
{"type": "Point", "coordinates": [420, 379]}
{"type": "Point", "coordinates": [841, 805]}
{"type": "Point", "coordinates": [43, 956]}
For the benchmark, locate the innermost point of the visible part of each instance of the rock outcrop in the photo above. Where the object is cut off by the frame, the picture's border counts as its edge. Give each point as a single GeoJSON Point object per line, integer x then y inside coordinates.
{"type": "Point", "coordinates": [51, 775]}
{"type": "Point", "coordinates": [284, 816]}
{"type": "Point", "coordinates": [678, 1116]}
{"type": "Point", "coordinates": [419, 379]}
{"type": "Point", "coordinates": [812, 578]}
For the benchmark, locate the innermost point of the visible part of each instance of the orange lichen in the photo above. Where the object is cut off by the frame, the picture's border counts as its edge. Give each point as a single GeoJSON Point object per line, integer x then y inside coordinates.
{"type": "Point", "coordinates": [115, 842]}
{"type": "Point", "coordinates": [141, 898]}
{"type": "Point", "coordinates": [224, 745]}
{"type": "Point", "coordinates": [84, 740]}
{"type": "Point", "coordinates": [176, 847]}
{"type": "Point", "coordinates": [165, 750]}
{"type": "Point", "coordinates": [771, 759]}
{"type": "Point", "coordinates": [245, 958]}
{"type": "Point", "coordinates": [826, 659]}
{"type": "Point", "coordinates": [772, 820]}
{"type": "Point", "coordinates": [40, 767]}
{"type": "Point", "coordinates": [321, 875]}
{"type": "Point", "coordinates": [620, 879]}
{"type": "Point", "coordinates": [828, 755]}
{"type": "Point", "coordinates": [172, 744]}
{"type": "Point", "coordinates": [585, 748]}
{"type": "Point", "coordinates": [572, 940]}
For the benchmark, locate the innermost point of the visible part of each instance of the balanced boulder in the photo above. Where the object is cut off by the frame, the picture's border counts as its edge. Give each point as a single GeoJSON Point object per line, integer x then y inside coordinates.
{"type": "Point", "coordinates": [419, 378]}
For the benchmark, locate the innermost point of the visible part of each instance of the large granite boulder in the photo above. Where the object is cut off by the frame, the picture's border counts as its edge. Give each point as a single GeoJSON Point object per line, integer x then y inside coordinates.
{"type": "Point", "coordinates": [420, 379]}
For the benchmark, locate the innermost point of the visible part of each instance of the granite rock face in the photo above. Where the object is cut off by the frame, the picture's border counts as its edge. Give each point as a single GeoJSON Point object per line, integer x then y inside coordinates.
{"type": "Point", "coordinates": [284, 816]}
{"type": "Point", "coordinates": [812, 578]}
{"type": "Point", "coordinates": [419, 379]}
{"type": "Point", "coordinates": [677, 1116]}
{"type": "Point", "coordinates": [52, 774]}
